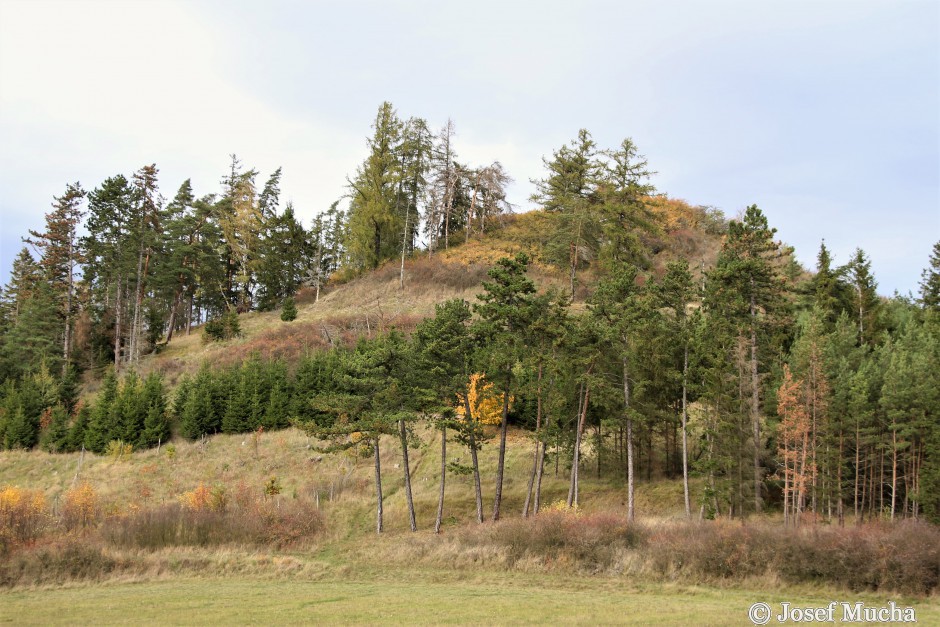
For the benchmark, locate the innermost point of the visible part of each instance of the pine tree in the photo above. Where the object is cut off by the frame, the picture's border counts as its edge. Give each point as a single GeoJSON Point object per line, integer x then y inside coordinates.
{"type": "Point", "coordinates": [35, 335]}
{"type": "Point", "coordinates": [22, 429]}
{"type": "Point", "coordinates": [131, 409]}
{"type": "Point", "coordinates": [442, 189]}
{"type": "Point", "coordinates": [206, 403]}
{"type": "Point", "coordinates": [444, 349]}
{"type": "Point", "coordinates": [676, 292]}
{"type": "Point", "coordinates": [829, 292]}
{"type": "Point", "coordinates": [746, 288]}
{"type": "Point", "coordinates": [146, 229]}
{"type": "Point", "coordinates": [109, 255]}
{"type": "Point", "coordinates": [505, 311]}
{"type": "Point", "coordinates": [619, 303]}
{"type": "Point", "coordinates": [25, 276]}
{"type": "Point", "coordinates": [371, 396]}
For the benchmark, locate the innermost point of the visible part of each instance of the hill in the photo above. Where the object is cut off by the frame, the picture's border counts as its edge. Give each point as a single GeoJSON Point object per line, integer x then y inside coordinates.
{"type": "Point", "coordinates": [356, 306]}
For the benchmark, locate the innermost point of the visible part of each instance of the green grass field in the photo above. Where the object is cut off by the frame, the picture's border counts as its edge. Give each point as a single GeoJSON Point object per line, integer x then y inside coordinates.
{"type": "Point", "coordinates": [414, 597]}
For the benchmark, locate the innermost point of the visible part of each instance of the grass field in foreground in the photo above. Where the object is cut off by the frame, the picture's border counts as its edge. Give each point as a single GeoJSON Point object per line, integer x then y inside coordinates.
{"type": "Point", "coordinates": [523, 599]}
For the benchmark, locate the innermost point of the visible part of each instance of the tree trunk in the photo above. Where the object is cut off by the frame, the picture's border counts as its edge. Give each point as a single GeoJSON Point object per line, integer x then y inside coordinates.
{"type": "Point", "coordinates": [538, 479]}
{"type": "Point", "coordinates": [630, 477]}
{"type": "Point", "coordinates": [786, 484]}
{"type": "Point", "coordinates": [857, 465]}
{"type": "Point", "coordinates": [403, 433]}
{"type": "Point", "coordinates": [531, 484]}
{"type": "Point", "coordinates": [755, 406]}
{"type": "Point", "coordinates": [138, 301]}
{"type": "Point", "coordinates": [189, 315]}
{"type": "Point", "coordinates": [685, 444]}
{"type": "Point", "coordinates": [473, 456]}
{"type": "Point", "coordinates": [404, 243]}
{"type": "Point", "coordinates": [577, 420]}
{"type": "Point", "coordinates": [538, 430]}
{"type": "Point", "coordinates": [378, 487]}
{"type": "Point", "coordinates": [118, 299]}
{"type": "Point", "coordinates": [177, 298]}
{"type": "Point", "coordinates": [576, 461]}
{"type": "Point", "coordinates": [67, 341]}
{"type": "Point", "coordinates": [501, 462]}
{"type": "Point", "coordinates": [894, 469]}
{"type": "Point", "coordinates": [840, 510]}
{"type": "Point", "coordinates": [440, 497]}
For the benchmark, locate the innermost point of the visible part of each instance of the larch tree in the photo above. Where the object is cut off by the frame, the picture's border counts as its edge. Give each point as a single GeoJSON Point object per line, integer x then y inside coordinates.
{"type": "Point", "coordinates": [623, 189]}
{"type": "Point", "coordinates": [374, 224]}
{"type": "Point", "coordinates": [60, 257]}
{"type": "Point", "coordinates": [865, 301]}
{"type": "Point", "coordinates": [569, 190]}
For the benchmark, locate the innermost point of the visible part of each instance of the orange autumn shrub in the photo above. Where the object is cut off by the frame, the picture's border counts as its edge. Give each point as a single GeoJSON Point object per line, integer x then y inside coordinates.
{"type": "Point", "coordinates": [81, 507]}
{"type": "Point", "coordinates": [23, 517]}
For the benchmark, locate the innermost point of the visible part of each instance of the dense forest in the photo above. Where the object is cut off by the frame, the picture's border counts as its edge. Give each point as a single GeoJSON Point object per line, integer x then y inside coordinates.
{"type": "Point", "coordinates": [775, 387]}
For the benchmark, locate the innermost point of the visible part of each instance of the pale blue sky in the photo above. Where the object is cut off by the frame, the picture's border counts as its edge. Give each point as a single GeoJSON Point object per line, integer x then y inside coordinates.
{"type": "Point", "coordinates": [825, 114]}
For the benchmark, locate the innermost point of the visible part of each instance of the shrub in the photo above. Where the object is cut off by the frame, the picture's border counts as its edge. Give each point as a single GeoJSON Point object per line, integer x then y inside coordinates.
{"type": "Point", "coordinates": [288, 310]}
{"type": "Point", "coordinates": [56, 564]}
{"type": "Point", "coordinates": [119, 450]}
{"type": "Point", "coordinates": [178, 524]}
{"type": "Point", "coordinates": [589, 542]}
{"type": "Point", "coordinates": [23, 517]}
{"type": "Point", "coordinates": [80, 507]}
{"type": "Point", "coordinates": [225, 327]}
{"type": "Point", "coordinates": [204, 499]}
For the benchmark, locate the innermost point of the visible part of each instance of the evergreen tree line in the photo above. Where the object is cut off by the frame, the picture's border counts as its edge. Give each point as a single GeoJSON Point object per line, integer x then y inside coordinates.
{"type": "Point", "coordinates": [41, 409]}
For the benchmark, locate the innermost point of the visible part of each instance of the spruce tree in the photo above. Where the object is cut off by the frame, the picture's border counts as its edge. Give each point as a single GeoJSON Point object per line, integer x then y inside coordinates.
{"type": "Point", "coordinates": [76, 437]}
{"type": "Point", "coordinates": [288, 310]}
{"type": "Point", "coordinates": [104, 421]}
{"type": "Point", "coordinates": [56, 437]}
{"type": "Point", "coordinates": [930, 282]}
{"type": "Point", "coordinates": [156, 425]}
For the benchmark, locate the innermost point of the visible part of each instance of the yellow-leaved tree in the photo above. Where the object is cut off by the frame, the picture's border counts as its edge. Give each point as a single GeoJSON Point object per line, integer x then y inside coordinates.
{"type": "Point", "coordinates": [485, 401]}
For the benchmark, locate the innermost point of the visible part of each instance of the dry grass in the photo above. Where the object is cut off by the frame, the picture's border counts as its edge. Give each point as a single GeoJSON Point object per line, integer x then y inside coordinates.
{"type": "Point", "coordinates": [141, 519]}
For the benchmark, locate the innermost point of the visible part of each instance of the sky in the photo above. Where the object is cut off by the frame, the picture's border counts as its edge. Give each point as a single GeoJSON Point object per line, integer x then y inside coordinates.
{"type": "Point", "coordinates": [826, 114]}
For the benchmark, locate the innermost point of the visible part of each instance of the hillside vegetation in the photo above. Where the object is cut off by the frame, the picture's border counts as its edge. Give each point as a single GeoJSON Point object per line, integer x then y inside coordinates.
{"type": "Point", "coordinates": [618, 385]}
